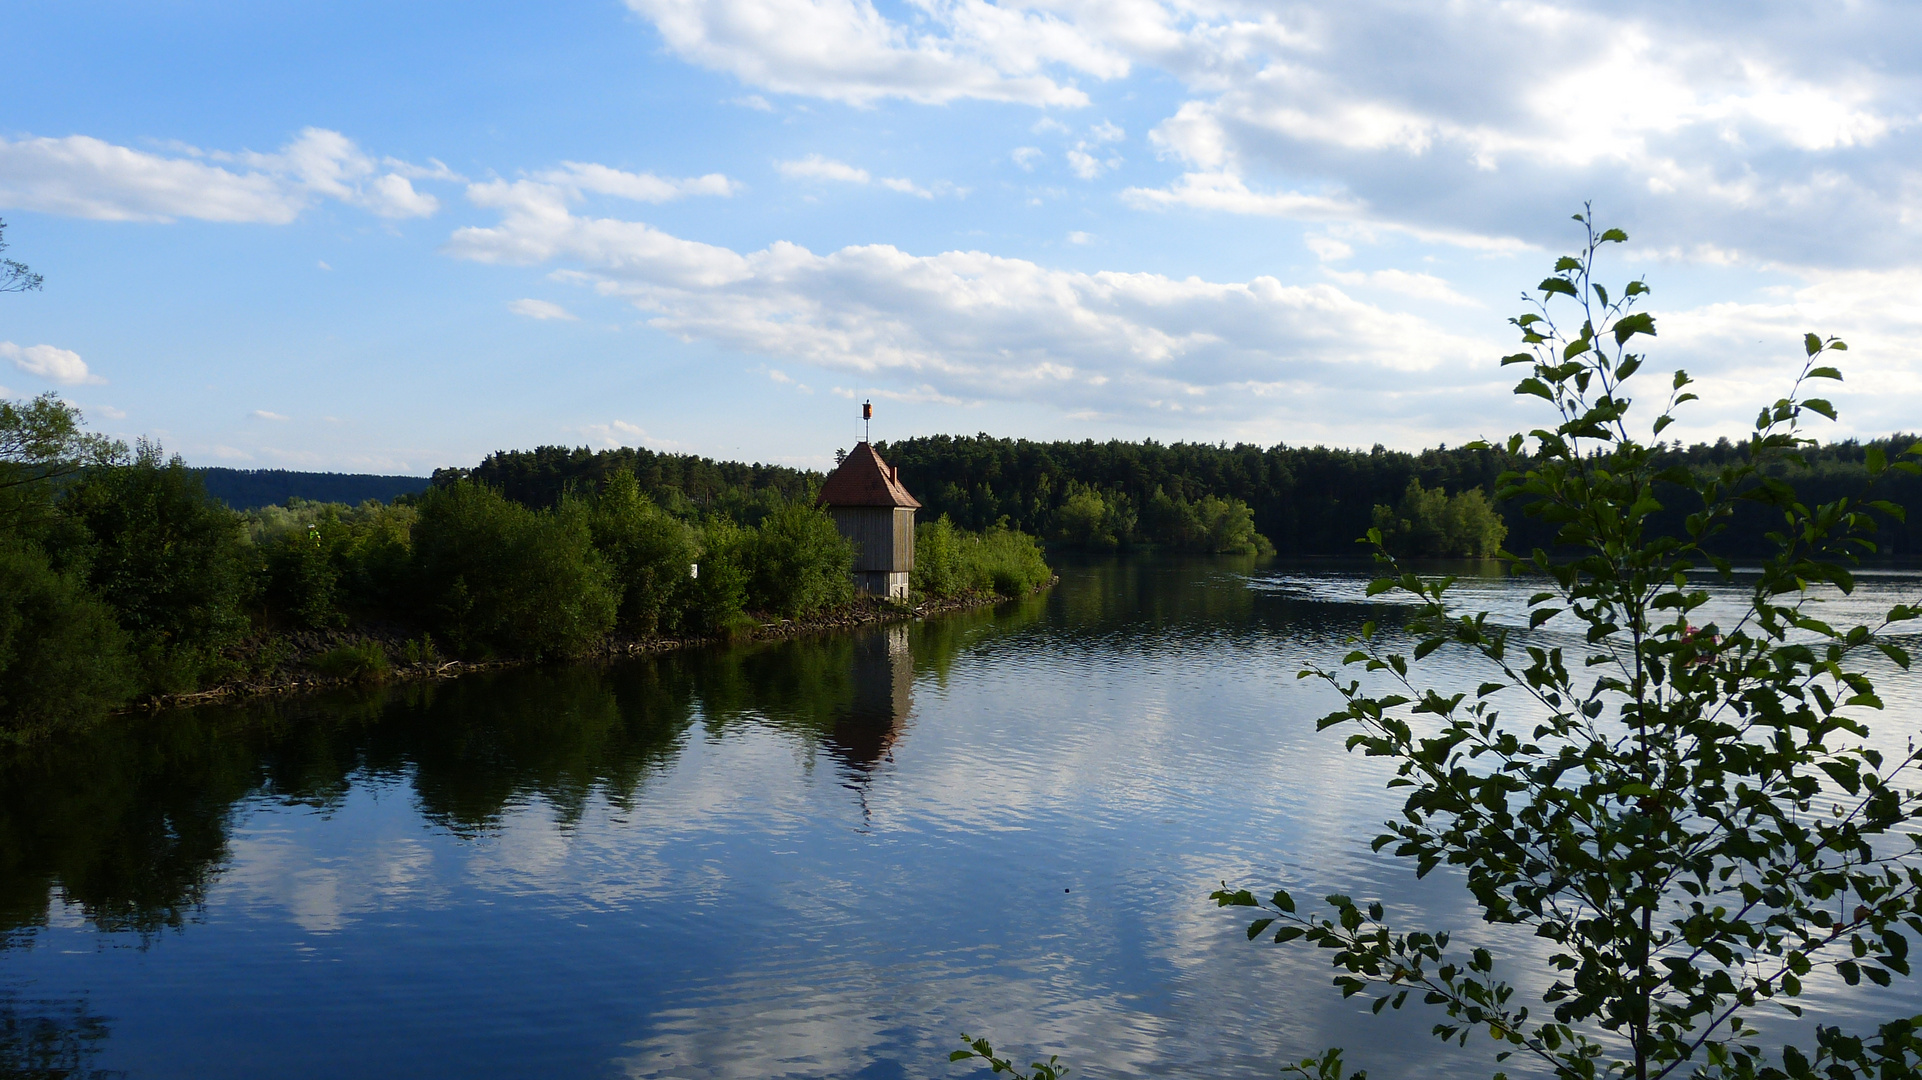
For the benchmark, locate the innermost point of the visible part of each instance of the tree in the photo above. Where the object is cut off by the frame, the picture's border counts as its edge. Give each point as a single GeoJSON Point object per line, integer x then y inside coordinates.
{"type": "Point", "coordinates": [1431, 522]}
{"type": "Point", "coordinates": [167, 557]}
{"type": "Point", "coordinates": [1692, 818]}
{"type": "Point", "coordinates": [649, 551]}
{"type": "Point", "coordinates": [63, 659]}
{"type": "Point", "coordinates": [14, 276]}
{"type": "Point", "coordinates": [41, 444]}
{"type": "Point", "coordinates": [499, 576]}
{"type": "Point", "coordinates": [800, 563]}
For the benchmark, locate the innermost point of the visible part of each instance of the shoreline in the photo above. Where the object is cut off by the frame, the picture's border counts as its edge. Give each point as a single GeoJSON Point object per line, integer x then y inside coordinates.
{"type": "Point", "coordinates": [294, 677]}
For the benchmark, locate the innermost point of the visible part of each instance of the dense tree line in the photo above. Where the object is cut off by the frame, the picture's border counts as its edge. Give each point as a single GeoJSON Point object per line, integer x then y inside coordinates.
{"type": "Point", "coordinates": [249, 489]}
{"type": "Point", "coordinates": [1304, 500]}
{"type": "Point", "coordinates": [121, 576]}
{"type": "Point", "coordinates": [684, 484]}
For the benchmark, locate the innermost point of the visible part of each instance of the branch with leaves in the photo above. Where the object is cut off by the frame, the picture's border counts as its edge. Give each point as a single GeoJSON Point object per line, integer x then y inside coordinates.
{"type": "Point", "coordinates": [1693, 817]}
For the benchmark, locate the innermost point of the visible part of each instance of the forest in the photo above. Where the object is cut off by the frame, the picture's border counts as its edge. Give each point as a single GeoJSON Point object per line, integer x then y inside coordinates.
{"type": "Point", "coordinates": [122, 578]}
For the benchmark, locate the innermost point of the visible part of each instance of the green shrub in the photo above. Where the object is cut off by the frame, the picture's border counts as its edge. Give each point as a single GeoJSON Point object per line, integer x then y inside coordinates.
{"type": "Point", "coordinates": [1430, 522]}
{"type": "Point", "coordinates": [323, 564]}
{"type": "Point", "coordinates": [365, 662]}
{"type": "Point", "coordinates": [167, 558]}
{"type": "Point", "coordinates": [300, 581]}
{"type": "Point", "coordinates": [720, 592]}
{"type": "Point", "coordinates": [496, 576]}
{"type": "Point", "coordinates": [950, 561]}
{"type": "Point", "coordinates": [937, 559]}
{"type": "Point", "coordinates": [649, 552]}
{"type": "Point", "coordinates": [1088, 519]}
{"type": "Point", "coordinates": [1004, 560]}
{"type": "Point", "coordinates": [419, 651]}
{"type": "Point", "coordinates": [800, 563]}
{"type": "Point", "coordinates": [63, 658]}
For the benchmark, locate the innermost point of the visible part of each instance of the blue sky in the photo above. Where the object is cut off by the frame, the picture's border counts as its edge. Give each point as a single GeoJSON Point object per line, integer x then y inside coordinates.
{"type": "Point", "coordinates": [380, 237]}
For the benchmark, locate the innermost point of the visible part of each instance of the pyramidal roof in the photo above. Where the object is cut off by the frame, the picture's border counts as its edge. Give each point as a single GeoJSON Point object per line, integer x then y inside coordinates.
{"type": "Point", "coordinates": [865, 480]}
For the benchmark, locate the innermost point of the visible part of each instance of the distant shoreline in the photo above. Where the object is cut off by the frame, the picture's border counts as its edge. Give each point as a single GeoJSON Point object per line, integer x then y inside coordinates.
{"type": "Point", "coordinates": [293, 678]}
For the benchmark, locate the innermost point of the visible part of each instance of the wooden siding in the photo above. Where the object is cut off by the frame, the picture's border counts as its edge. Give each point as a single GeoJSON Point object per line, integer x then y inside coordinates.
{"type": "Point", "coordinates": [903, 540]}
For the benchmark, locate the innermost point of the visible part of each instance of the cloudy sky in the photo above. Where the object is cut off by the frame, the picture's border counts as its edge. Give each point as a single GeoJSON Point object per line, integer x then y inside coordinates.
{"type": "Point", "coordinates": [389, 237]}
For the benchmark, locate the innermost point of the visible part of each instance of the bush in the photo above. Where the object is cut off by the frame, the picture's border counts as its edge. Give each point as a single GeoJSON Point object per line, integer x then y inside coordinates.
{"type": "Point", "coordinates": [301, 583]}
{"type": "Point", "coordinates": [365, 662]}
{"type": "Point", "coordinates": [937, 559]}
{"type": "Point", "coordinates": [1004, 560]}
{"type": "Point", "coordinates": [169, 560]}
{"type": "Point", "coordinates": [325, 563]}
{"type": "Point", "coordinates": [1433, 523]}
{"type": "Point", "coordinates": [720, 592]}
{"type": "Point", "coordinates": [648, 552]}
{"type": "Point", "coordinates": [1228, 528]}
{"type": "Point", "coordinates": [1089, 520]}
{"type": "Point", "coordinates": [496, 576]}
{"type": "Point", "coordinates": [63, 659]}
{"type": "Point", "coordinates": [950, 561]}
{"type": "Point", "coordinates": [800, 563]}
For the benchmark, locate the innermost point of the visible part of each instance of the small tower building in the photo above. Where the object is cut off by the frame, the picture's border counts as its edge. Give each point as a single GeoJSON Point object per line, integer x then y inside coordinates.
{"type": "Point", "coordinates": [872, 509]}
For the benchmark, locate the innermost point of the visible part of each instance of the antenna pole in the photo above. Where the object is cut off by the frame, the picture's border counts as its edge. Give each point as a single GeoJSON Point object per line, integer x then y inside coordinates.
{"type": "Point", "coordinates": [867, 414]}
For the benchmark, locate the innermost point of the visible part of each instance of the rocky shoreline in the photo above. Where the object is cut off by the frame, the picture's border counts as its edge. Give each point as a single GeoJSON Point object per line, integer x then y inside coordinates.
{"type": "Point", "coordinates": [293, 655]}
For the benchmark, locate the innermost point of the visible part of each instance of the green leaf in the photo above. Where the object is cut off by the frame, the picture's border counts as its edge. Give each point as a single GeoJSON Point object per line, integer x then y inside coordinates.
{"type": "Point", "coordinates": [1567, 263]}
{"type": "Point", "coordinates": [1877, 460]}
{"type": "Point", "coordinates": [1557, 285]}
{"type": "Point", "coordinates": [1614, 236]}
{"type": "Point", "coordinates": [1812, 343]}
{"type": "Point", "coordinates": [1818, 405]}
{"type": "Point", "coordinates": [1825, 373]}
{"type": "Point", "coordinates": [1535, 387]}
{"type": "Point", "coordinates": [1518, 358]}
{"type": "Point", "coordinates": [1255, 928]}
{"type": "Point", "coordinates": [1629, 325]}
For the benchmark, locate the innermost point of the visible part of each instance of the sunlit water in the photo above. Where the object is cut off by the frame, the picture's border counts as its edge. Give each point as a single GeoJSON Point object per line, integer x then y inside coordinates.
{"type": "Point", "coordinates": [816, 858]}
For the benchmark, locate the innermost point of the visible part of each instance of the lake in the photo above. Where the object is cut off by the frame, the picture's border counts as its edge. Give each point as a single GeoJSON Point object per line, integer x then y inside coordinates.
{"type": "Point", "coordinates": [815, 858]}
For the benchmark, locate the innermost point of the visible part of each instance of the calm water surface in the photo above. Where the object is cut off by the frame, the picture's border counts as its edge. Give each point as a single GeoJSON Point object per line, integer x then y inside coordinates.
{"type": "Point", "coordinates": [816, 858]}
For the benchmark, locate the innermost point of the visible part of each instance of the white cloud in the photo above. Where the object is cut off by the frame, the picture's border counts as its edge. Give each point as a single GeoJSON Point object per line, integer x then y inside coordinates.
{"type": "Point", "coordinates": [752, 101]}
{"type": "Point", "coordinates": [782, 377]}
{"type": "Point", "coordinates": [906, 187]}
{"type": "Point", "coordinates": [322, 264]}
{"type": "Point", "coordinates": [541, 309]}
{"type": "Point", "coordinates": [1327, 248]}
{"type": "Point", "coordinates": [1084, 157]}
{"type": "Point", "coordinates": [1026, 156]}
{"type": "Point", "coordinates": [846, 50]}
{"type": "Point", "coordinates": [107, 411]}
{"type": "Point", "coordinates": [263, 414]}
{"type": "Point", "coordinates": [80, 176]}
{"type": "Point", "coordinates": [966, 325]}
{"type": "Point", "coordinates": [617, 433]}
{"type": "Point", "coordinates": [577, 177]}
{"type": "Point", "coordinates": [1772, 130]}
{"type": "Point", "coordinates": [816, 167]}
{"type": "Point", "coordinates": [1405, 283]}
{"type": "Point", "coordinates": [63, 366]}
{"type": "Point", "coordinates": [1079, 237]}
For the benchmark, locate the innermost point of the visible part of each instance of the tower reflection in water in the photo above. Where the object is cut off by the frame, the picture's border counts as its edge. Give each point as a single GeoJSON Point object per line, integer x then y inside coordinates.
{"type": "Point", "coordinates": [862, 735]}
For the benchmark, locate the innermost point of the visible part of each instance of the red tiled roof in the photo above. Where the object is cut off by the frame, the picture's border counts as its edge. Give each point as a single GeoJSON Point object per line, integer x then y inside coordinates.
{"type": "Point", "coordinates": [865, 480]}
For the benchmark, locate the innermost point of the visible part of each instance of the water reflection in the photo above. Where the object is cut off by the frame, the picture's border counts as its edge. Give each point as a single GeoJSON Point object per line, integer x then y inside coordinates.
{"type": "Point", "coordinates": [817, 857]}
{"type": "Point", "coordinates": [50, 1040]}
{"type": "Point", "coordinates": [130, 822]}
